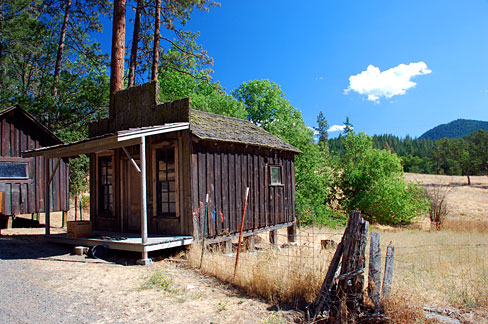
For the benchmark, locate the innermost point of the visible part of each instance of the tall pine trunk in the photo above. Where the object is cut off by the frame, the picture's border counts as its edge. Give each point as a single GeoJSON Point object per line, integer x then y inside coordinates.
{"type": "Point", "coordinates": [118, 49]}
{"type": "Point", "coordinates": [157, 25]}
{"type": "Point", "coordinates": [135, 42]}
{"type": "Point", "coordinates": [59, 57]}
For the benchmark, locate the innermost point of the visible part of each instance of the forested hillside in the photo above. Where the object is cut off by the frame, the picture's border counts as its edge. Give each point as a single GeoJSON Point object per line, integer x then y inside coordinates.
{"type": "Point", "coordinates": [456, 128]}
{"type": "Point", "coordinates": [456, 156]}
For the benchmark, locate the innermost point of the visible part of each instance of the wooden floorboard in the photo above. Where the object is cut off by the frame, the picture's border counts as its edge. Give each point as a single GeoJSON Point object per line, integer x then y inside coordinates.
{"type": "Point", "coordinates": [131, 242]}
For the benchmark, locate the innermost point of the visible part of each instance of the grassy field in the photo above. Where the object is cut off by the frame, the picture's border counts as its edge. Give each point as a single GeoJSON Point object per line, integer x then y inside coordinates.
{"type": "Point", "coordinates": [445, 269]}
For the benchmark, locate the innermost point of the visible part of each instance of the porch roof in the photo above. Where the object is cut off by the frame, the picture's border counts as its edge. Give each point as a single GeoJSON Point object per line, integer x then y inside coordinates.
{"type": "Point", "coordinates": [109, 141]}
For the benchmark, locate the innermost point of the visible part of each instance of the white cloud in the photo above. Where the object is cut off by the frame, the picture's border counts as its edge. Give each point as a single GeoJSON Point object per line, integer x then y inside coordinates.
{"type": "Point", "coordinates": [319, 78]}
{"type": "Point", "coordinates": [336, 128]}
{"type": "Point", "coordinates": [392, 82]}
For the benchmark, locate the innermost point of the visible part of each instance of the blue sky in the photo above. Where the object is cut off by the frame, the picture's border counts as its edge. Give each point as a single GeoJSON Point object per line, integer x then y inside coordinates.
{"type": "Point", "coordinates": [312, 48]}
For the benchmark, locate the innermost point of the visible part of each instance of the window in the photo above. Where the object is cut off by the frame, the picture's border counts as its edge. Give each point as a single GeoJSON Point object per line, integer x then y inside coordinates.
{"type": "Point", "coordinates": [11, 170]}
{"type": "Point", "coordinates": [275, 172]}
{"type": "Point", "coordinates": [105, 198]}
{"type": "Point", "coordinates": [166, 182]}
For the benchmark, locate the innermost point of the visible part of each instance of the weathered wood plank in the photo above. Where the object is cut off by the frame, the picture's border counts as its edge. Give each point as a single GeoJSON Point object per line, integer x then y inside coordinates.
{"type": "Point", "coordinates": [31, 188]}
{"type": "Point", "coordinates": [256, 189]}
{"type": "Point", "coordinates": [232, 192]}
{"type": "Point", "coordinates": [322, 302]}
{"type": "Point", "coordinates": [262, 185]}
{"type": "Point", "coordinates": [194, 180]}
{"type": "Point", "coordinates": [211, 190]}
{"type": "Point", "coordinates": [8, 199]}
{"type": "Point", "coordinates": [218, 191]}
{"type": "Point", "coordinates": [374, 274]}
{"type": "Point", "coordinates": [236, 214]}
{"type": "Point", "coordinates": [292, 167]}
{"type": "Point", "coordinates": [245, 184]}
{"type": "Point", "coordinates": [225, 191]}
{"type": "Point", "coordinates": [202, 179]}
{"type": "Point", "coordinates": [388, 277]}
{"type": "Point", "coordinates": [15, 198]}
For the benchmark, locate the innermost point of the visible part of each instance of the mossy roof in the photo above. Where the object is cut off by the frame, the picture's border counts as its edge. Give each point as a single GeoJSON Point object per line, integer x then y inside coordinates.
{"type": "Point", "coordinates": [215, 127]}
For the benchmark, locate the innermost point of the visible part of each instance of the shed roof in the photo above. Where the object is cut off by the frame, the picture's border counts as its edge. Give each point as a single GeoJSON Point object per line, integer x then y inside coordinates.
{"type": "Point", "coordinates": [18, 110]}
{"type": "Point", "coordinates": [215, 127]}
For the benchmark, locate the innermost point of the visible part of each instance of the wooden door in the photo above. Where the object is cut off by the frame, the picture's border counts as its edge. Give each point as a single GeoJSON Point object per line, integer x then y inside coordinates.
{"type": "Point", "coordinates": [132, 187]}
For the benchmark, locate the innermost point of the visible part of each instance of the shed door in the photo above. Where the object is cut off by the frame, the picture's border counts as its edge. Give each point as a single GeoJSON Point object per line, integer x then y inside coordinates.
{"type": "Point", "coordinates": [132, 203]}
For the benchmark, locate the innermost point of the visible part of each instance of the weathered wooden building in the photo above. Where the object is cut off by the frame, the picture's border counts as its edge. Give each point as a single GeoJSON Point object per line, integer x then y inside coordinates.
{"type": "Point", "coordinates": [183, 155]}
{"type": "Point", "coordinates": [22, 179]}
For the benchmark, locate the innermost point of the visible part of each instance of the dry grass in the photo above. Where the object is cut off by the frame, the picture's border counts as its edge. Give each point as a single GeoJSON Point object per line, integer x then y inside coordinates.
{"type": "Point", "coordinates": [291, 274]}
{"type": "Point", "coordinates": [402, 309]}
{"type": "Point", "coordinates": [441, 269]}
{"type": "Point", "coordinates": [462, 225]}
{"type": "Point", "coordinates": [463, 201]}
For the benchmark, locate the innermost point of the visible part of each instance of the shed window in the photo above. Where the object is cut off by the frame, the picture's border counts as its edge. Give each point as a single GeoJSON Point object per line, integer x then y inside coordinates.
{"type": "Point", "coordinates": [275, 171]}
{"type": "Point", "coordinates": [106, 189]}
{"type": "Point", "coordinates": [166, 182]}
{"type": "Point", "coordinates": [10, 170]}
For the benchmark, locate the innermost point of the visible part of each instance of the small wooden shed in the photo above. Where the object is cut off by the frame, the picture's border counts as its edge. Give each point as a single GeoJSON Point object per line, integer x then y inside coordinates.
{"type": "Point", "coordinates": [183, 155]}
{"type": "Point", "coordinates": [22, 179]}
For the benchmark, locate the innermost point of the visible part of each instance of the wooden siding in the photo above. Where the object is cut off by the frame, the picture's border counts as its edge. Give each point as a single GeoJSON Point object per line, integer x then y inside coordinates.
{"type": "Point", "coordinates": [225, 170]}
{"type": "Point", "coordinates": [222, 170]}
{"type": "Point", "coordinates": [25, 196]}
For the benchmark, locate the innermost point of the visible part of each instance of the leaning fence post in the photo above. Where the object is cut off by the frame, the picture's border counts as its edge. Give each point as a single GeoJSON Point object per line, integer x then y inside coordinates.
{"type": "Point", "coordinates": [196, 229]}
{"type": "Point", "coordinates": [240, 233]}
{"type": "Point", "coordinates": [388, 277]}
{"type": "Point", "coordinates": [374, 274]}
{"type": "Point", "coordinates": [204, 229]}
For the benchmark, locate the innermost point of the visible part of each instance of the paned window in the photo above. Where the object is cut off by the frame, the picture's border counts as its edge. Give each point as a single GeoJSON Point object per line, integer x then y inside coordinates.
{"type": "Point", "coordinates": [11, 170]}
{"type": "Point", "coordinates": [106, 189]}
{"type": "Point", "coordinates": [275, 174]}
{"type": "Point", "coordinates": [166, 182]}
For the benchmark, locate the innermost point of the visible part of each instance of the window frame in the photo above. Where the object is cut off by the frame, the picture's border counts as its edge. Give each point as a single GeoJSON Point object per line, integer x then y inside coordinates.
{"type": "Point", "coordinates": [280, 168]}
{"type": "Point", "coordinates": [26, 164]}
{"type": "Point", "coordinates": [100, 209]}
{"type": "Point", "coordinates": [156, 210]}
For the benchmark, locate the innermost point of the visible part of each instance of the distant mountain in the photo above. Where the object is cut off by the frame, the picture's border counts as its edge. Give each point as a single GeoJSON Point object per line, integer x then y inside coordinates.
{"type": "Point", "coordinates": [457, 128]}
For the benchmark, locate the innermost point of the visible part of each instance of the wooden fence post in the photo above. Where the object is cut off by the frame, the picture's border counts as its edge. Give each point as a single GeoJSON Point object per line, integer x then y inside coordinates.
{"type": "Point", "coordinates": [292, 233]}
{"type": "Point", "coordinates": [374, 275]}
{"type": "Point", "coordinates": [273, 237]}
{"type": "Point", "coordinates": [388, 278]}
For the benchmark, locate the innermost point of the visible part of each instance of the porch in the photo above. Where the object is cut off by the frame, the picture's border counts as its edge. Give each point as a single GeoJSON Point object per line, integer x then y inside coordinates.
{"type": "Point", "coordinates": [123, 241]}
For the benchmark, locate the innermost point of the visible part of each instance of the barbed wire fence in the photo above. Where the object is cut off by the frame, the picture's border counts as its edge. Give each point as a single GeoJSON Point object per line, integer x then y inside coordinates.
{"type": "Point", "coordinates": [418, 268]}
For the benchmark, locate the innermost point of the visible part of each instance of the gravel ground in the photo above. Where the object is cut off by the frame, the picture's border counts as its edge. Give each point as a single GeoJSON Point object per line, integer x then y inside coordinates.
{"type": "Point", "coordinates": [24, 298]}
{"type": "Point", "coordinates": [44, 283]}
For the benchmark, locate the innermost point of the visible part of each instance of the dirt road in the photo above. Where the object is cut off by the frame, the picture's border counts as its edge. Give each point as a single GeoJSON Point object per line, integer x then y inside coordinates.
{"type": "Point", "coordinates": [43, 283]}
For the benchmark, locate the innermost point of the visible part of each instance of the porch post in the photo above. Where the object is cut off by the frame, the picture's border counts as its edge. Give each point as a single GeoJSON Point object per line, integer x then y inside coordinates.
{"type": "Point", "coordinates": [143, 192]}
{"type": "Point", "coordinates": [47, 196]}
{"type": "Point", "coordinates": [144, 260]}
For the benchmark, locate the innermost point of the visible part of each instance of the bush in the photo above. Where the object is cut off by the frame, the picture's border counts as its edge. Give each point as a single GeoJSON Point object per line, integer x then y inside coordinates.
{"type": "Point", "coordinates": [438, 204]}
{"type": "Point", "coordinates": [372, 181]}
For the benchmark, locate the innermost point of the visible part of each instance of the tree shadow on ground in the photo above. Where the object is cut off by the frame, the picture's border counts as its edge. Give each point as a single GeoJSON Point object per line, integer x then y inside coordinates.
{"type": "Point", "coordinates": [13, 247]}
{"type": "Point", "coordinates": [35, 247]}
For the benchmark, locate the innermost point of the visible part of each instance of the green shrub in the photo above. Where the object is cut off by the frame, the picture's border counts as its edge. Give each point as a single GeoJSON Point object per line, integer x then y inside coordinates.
{"type": "Point", "coordinates": [372, 181]}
